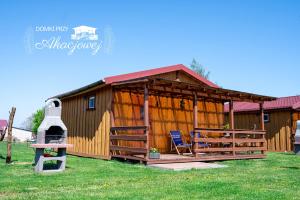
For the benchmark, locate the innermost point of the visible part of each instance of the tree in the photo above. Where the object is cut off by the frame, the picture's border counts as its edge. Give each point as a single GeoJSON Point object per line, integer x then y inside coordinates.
{"type": "Point", "coordinates": [38, 117]}
{"type": "Point", "coordinates": [27, 124]}
{"type": "Point", "coordinates": [199, 69]}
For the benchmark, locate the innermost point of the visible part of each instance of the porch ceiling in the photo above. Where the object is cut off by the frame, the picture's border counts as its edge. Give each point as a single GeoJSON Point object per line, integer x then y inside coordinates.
{"type": "Point", "coordinates": [177, 89]}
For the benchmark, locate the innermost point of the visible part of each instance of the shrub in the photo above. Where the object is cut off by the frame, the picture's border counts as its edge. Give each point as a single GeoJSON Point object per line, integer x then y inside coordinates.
{"type": "Point", "coordinates": [38, 117]}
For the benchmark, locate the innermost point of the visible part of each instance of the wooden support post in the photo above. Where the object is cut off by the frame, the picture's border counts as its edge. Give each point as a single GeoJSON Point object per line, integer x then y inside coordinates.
{"type": "Point", "coordinates": [112, 124]}
{"type": "Point", "coordinates": [196, 144]}
{"type": "Point", "coordinates": [231, 115]}
{"type": "Point", "coordinates": [195, 111]}
{"type": "Point", "coordinates": [9, 134]}
{"type": "Point", "coordinates": [231, 119]}
{"type": "Point", "coordinates": [112, 117]}
{"type": "Point", "coordinates": [146, 118]}
{"type": "Point", "coordinates": [195, 122]}
{"type": "Point", "coordinates": [233, 143]}
{"type": "Point", "coordinates": [262, 123]}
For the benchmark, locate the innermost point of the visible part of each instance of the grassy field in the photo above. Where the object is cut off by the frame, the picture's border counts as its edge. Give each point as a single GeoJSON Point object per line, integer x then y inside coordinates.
{"type": "Point", "coordinates": [277, 177]}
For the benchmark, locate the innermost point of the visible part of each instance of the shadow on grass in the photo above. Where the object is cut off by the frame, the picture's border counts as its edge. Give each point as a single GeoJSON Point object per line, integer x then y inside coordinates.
{"type": "Point", "coordinates": [287, 153]}
{"type": "Point", "coordinates": [12, 162]}
{"type": "Point", "coordinates": [52, 166]}
{"type": "Point", "coordinates": [291, 167]}
{"type": "Point", "coordinates": [4, 158]}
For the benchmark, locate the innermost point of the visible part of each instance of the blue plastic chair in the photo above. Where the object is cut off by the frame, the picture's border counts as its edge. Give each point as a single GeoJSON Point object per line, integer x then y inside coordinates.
{"type": "Point", "coordinates": [178, 142]}
{"type": "Point", "coordinates": [200, 144]}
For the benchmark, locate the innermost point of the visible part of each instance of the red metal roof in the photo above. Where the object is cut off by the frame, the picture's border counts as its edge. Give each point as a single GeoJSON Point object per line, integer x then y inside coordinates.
{"type": "Point", "coordinates": [292, 102]}
{"type": "Point", "coordinates": [3, 124]}
{"type": "Point", "coordinates": [161, 70]}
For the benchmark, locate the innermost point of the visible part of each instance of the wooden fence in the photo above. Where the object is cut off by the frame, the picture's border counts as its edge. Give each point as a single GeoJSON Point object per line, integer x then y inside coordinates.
{"type": "Point", "coordinates": [235, 142]}
{"type": "Point", "coordinates": [125, 150]}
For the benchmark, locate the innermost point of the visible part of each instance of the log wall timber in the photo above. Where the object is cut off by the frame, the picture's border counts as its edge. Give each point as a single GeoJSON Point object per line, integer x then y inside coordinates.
{"type": "Point", "coordinates": [279, 131]}
{"type": "Point", "coordinates": [88, 130]}
{"type": "Point", "coordinates": [165, 114]}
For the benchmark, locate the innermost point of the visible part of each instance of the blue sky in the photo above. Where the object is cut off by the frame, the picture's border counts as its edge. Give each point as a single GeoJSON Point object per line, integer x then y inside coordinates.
{"type": "Point", "coordinates": [250, 45]}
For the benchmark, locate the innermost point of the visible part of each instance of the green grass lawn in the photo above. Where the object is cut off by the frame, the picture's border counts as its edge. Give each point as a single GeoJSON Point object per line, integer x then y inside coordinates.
{"type": "Point", "coordinates": [277, 177]}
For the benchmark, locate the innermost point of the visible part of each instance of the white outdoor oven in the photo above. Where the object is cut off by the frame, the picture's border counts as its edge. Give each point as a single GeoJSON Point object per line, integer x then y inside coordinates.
{"type": "Point", "coordinates": [52, 129]}
{"type": "Point", "coordinates": [52, 134]}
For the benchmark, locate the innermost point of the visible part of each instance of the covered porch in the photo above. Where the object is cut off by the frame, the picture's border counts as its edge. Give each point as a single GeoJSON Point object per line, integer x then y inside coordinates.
{"type": "Point", "coordinates": [133, 140]}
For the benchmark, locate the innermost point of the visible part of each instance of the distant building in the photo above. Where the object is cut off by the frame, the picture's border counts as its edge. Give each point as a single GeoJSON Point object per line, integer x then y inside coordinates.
{"type": "Point", "coordinates": [20, 134]}
{"type": "Point", "coordinates": [280, 120]}
{"type": "Point", "coordinates": [3, 125]}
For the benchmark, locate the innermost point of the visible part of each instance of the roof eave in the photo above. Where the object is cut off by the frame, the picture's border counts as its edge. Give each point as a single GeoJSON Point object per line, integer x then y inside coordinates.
{"type": "Point", "coordinates": [79, 90]}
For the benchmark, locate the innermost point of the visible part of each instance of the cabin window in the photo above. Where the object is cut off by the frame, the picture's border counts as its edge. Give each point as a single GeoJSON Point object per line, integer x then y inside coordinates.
{"type": "Point", "coordinates": [91, 103]}
{"type": "Point", "coordinates": [266, 118]}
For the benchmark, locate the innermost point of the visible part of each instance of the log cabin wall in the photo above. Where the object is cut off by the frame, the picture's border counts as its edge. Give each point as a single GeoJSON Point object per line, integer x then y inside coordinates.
{"type": "Point", "coordinates": [165, 114]}
{"type": "Point", "coordinates": [279, 132]}
{"type": "Point", "coordinates": [88, 130]}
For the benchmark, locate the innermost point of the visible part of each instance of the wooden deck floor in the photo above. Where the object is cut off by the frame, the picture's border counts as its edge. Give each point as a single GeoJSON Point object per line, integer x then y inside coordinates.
{"type": "Point", "coordinates": [174, 158]}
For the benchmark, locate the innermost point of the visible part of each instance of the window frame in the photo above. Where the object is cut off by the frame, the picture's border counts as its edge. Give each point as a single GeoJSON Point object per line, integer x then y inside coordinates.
{"type": "Point", "coordinates": [268, 117]}
{"type": "Point", "coordinates": [89, 101]}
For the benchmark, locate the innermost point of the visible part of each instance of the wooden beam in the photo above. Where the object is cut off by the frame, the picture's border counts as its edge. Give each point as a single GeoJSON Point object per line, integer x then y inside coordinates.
{"type": "Point", "coordinates": [112, 117]}
{"type": "Point", "coordinates": [237, 131]}
{"type": "Point", "coordinates": [262, 121]}
{"type": "Point", "coordinates": [137, 81]}
{"type": "Point", "coordinates": [146, 106]}
{"type": "Point", "coordinates": [202, 90]}
{"type": "Point", "coordinates": [195, 111]}
{"type": "Point", "coordinates": [186, 93]}
{"type": "Point", "coordinates": [128, 149]}
{"type": "Point", "coordinates": [230, 149]}
{"type": "Point", "coordinates": [112, 121]}
{"type": "Point", "coordinates": [124, 128]}
{"type": "Point", "coordinates": [128, 137]}
{"type": "Point", "coordinates": [231, 115]}
{"type": "Point", "coordinates": [146, 118]}
{"type": "Point", "coordinates": [125, 157]}
{"type": "Point", "coordinates": [195, 122]}
{"type": "Point", "coordinates": [9, 134]}
{"type": "Point", "coordinates": [228, 140]}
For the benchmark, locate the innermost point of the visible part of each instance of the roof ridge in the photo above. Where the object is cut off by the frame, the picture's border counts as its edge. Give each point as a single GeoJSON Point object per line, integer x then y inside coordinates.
{"type": "Point", "coordinates": [289, 96]}
{"type": "Point", "coordinates": [142, 71]}
{"type": "Point", "coordinates": [153, 71]}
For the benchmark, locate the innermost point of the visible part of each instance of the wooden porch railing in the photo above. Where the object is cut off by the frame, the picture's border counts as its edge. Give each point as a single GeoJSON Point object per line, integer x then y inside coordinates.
{"type": "Point", "coordinates": [128, 152]}
{"type": "Point", "coordinates": [232, 141]}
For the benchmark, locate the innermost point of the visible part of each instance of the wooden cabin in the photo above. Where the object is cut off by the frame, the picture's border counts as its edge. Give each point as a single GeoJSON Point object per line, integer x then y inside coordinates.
{"type": "Point", "coordinates": [280, 120]}
{"type": "Point", "coordinates": [124, 116]}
